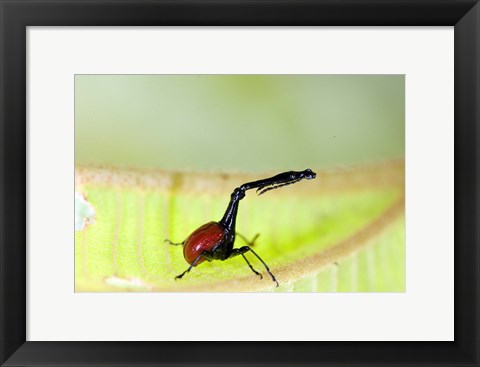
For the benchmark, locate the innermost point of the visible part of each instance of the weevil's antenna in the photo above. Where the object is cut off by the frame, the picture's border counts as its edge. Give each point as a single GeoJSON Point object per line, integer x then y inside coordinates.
{"type": "Point", "coordinates": [264, 189]}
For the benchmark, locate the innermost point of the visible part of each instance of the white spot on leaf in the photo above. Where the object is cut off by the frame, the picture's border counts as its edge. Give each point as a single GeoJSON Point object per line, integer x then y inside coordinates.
{"type": "Point", "coordinates": [84, 212]}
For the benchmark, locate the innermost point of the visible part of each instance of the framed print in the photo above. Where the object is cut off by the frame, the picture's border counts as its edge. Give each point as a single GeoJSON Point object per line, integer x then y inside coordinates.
{"type": "Point", "coordinates": [131, 126]}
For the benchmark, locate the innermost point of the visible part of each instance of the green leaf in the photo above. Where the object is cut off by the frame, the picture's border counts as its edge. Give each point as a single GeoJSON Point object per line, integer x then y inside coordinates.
{"type": "Point", "coordinates": [342, 232]}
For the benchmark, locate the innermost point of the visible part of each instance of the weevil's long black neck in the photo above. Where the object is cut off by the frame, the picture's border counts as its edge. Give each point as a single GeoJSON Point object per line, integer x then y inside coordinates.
{"type": "Point", "coordinates": [230, 216]}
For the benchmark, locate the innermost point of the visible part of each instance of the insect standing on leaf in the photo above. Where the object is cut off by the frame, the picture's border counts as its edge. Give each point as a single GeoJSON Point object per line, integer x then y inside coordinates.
{"type": "Point", "coordinates": [215, 240]}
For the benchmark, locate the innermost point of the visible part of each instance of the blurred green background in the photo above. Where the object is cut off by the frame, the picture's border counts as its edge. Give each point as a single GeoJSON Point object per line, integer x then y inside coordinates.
{"type": "Point", "coordinates": [238, 122]}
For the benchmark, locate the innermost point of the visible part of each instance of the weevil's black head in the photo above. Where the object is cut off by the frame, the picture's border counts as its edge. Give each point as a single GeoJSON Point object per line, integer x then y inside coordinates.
{"type": "Point", "coordinates": [309, 174]}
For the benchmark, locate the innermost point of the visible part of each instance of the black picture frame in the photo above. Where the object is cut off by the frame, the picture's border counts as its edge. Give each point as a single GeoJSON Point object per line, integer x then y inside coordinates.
{"type": "Point", "coordinates": [16, 15]}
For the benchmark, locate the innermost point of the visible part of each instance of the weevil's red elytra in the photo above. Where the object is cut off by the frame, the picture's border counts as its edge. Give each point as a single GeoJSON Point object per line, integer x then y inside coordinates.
{"type": "Point", "coordinates": [204, 238]}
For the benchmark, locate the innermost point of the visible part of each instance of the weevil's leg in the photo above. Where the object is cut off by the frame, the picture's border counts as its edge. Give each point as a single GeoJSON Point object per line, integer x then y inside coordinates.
{"type": "Point", "coordinates": [174, 244]}
{"type": "Point", "coordinates": [251, 267]}
{"type": "Point", "coordinates": [207, 255]}
{"type": "Point", "coordinates": [236, 252]}
{"type": "Point", "coordinates": [250, 243]}
{"type": "Point", "coordinates": [244, 249]}
{"type": "Point", "coordinates": [263, 262]}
